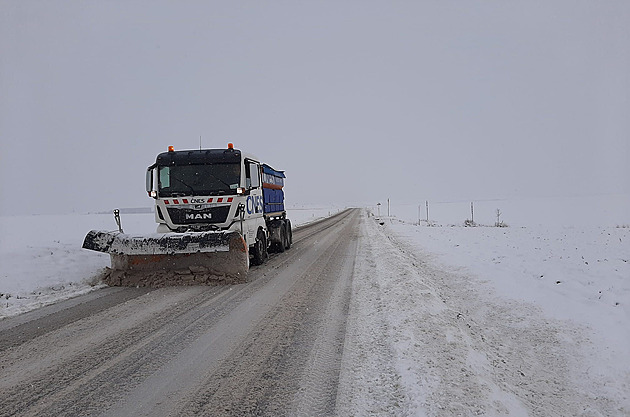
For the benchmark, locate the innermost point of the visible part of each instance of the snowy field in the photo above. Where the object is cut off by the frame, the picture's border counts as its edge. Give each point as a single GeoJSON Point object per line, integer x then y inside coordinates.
{"type": "Point", "coordinates": [534, 315]}
{"type": "Point", "coordinates": [519, 321]}
{"type": "Point", "coordinates": [41, 260]}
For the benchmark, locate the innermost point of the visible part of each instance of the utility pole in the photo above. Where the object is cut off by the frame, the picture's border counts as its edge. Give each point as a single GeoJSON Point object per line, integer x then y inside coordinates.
{"type": "Point", "coordinates": [427, 211]}
{"type": "Point", "coordinates": [388, 215]}
{"type": "Point", "coordinates": [378, 206]}
{"type": "Point", "coordinates": [472, 212]}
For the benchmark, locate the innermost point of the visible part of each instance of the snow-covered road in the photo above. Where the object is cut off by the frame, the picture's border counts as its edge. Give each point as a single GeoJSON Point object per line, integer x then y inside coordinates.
{"type": "Point", "coordinates": [271, 347]}
{"type": "Point", "coordinates": [435, 321]}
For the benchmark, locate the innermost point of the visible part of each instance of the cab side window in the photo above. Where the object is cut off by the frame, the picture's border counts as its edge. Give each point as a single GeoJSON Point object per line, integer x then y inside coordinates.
{"type": "Point", "coordinates": [252, 174]}
{"type": "Point", "coordinates": [165, 177]}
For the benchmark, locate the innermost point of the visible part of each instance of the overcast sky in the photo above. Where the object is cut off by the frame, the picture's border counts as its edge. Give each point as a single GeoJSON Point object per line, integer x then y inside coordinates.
{"type": "Point", "coordinates": [357, 100]}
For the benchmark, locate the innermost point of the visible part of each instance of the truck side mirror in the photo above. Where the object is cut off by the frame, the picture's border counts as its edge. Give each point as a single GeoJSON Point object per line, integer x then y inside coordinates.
{"type": "Point", "coordinates": [149, 182]}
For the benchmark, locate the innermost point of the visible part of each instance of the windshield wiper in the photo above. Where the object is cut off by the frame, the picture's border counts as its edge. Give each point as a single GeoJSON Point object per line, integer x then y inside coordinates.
{"type": "Point", "coordinates": [192, 190]}
{"type": "Point", "coordinates": [220, 180]}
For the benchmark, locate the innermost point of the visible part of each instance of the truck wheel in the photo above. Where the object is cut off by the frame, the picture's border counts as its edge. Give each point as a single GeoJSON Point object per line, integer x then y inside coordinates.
{"type": "Point", "coordinates": [260, 249]}
{"type": "Point", "coordinates": [289, 234]}
{"type": "Point", "coordinates": [283, 238]}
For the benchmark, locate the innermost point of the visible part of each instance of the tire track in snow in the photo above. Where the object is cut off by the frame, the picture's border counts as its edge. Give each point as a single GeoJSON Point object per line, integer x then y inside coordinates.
{"type": "Point", "coordinates": [319, 382]}
{"type": "Point", "coordinates": [36, 323]}
{"type": "Point", "coordinates": [93, 369]}
{"type": "Point", "coordinates": [271, 371]}
{"type": "Point", "coordinates": [369, 384]}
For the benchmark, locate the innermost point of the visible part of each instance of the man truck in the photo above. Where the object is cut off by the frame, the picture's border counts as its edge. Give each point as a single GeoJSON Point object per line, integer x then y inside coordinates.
{"type": "Point", "coordinates": [218, 212]}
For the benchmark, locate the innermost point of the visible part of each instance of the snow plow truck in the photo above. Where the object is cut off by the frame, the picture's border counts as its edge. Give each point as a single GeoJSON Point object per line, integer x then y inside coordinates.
{"type": "Point", "coordinates": [218, 212]}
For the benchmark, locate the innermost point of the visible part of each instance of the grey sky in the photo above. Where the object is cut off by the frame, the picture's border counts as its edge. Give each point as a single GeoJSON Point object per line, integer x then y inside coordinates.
{"type": "Point", "coordinates": [357, 100]}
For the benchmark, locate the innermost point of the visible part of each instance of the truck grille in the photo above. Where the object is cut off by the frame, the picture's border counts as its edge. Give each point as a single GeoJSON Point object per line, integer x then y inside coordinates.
{"type": "Point", "coordinates": [191, 216]}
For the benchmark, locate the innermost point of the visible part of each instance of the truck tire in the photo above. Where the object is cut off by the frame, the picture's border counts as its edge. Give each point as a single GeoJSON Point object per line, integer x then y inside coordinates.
{"type": "Point", "coordinates": [280, 246]}
{"type": "Point", "coordinates": [289, 234]}
{"type": "Point", "coordinates": [260, 249]}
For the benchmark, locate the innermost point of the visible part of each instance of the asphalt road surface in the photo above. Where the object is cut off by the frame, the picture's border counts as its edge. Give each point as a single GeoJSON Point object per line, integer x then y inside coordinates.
{"type": "Point", "coordinates": [269, 347]}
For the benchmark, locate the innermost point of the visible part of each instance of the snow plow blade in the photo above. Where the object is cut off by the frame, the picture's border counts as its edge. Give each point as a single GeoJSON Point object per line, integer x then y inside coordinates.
{"type": "Point", "coordinates": [165, 259]}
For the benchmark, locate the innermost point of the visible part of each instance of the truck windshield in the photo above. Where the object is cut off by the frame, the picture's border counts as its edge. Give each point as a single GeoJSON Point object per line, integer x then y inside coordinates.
{"type": "Point", "coordinates": [199, 180]}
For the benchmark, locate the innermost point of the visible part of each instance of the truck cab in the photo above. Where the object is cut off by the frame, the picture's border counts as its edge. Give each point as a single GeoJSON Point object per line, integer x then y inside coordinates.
{"type": "Point", "coordinates": [209, 189]}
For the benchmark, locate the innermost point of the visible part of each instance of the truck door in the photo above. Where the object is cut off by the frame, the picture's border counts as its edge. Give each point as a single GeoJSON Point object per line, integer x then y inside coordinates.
{"type": "Point", "coordinates": [253, 184]}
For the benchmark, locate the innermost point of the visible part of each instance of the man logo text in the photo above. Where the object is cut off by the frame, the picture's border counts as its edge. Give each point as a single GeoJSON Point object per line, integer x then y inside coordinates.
{"type": "Point", "coordinates": [198, 216]}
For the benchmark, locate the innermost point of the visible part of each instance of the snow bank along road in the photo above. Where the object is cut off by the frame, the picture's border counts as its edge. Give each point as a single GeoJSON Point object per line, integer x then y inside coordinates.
{"type": "Point", "coordinates": [424, 339]}
{"type": "Point", "coordinates": [351, 321]}
{"type": "Point", "coordinates": [272, 346]}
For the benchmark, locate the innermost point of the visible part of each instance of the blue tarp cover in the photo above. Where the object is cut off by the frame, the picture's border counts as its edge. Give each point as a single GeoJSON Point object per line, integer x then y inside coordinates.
{"type": "Point", "coordinates": [274, 200]}
{"type": "Point", "coordinates": [268, 170]}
